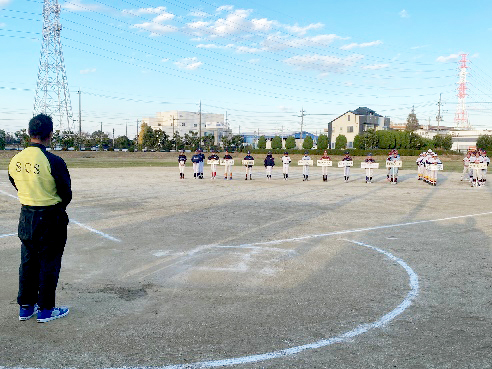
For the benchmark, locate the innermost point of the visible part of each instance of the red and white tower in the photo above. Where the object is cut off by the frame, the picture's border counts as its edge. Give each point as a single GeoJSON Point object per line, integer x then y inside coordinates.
{"type": "Point", "coordinates": [461, 115]}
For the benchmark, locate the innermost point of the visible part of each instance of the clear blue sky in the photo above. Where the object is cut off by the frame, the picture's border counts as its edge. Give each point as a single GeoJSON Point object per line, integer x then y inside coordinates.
{"type": "Point", "coordinates": [259, 61]}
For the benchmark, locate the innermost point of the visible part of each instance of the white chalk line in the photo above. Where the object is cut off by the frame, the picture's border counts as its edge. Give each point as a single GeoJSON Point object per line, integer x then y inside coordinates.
{"type": "Point", "coordinates": [337, 233]}
{"type": "Point", "coordinates": [344, 337]}
{"type": "Point", "coordinates": [8, 235]}
{"type": "Point", "coordinates": [90, 229]}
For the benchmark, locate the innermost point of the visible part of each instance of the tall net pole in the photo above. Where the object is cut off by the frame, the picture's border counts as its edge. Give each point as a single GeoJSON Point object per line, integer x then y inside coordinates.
{"type": "Point", "coordinates": [461, 116]}
{"type": "Point", "coordinates": [52, 93]}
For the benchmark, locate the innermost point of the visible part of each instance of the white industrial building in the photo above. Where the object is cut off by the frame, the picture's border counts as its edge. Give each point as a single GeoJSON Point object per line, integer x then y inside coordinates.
{"type": "Point", "coordinates": [185, 122]}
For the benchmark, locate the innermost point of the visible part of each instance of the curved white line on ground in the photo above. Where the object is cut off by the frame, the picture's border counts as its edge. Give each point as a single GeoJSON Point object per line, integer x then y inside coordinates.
{"type": "Point", "coordinates": [347, 336]}
{"type": "Point", "coordinates": [107, 236]}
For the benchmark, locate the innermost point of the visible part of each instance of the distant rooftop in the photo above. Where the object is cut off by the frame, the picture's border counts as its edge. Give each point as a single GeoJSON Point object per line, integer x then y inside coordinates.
{"type": "Point", "coordinates": [365, 111]}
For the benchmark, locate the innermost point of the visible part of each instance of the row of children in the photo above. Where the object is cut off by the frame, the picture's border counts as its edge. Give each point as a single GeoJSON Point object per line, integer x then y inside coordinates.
{"type": "Point", "coordinates": [427, 167]}
{"type": "Point", "coordinates": [477, 175]}
{"type": "Point", "coordinates": [198, 160]}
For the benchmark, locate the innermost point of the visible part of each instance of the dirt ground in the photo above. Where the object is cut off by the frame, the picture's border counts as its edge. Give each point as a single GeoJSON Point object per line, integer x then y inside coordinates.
{"type": "Point", "coordinates": [162, 272]}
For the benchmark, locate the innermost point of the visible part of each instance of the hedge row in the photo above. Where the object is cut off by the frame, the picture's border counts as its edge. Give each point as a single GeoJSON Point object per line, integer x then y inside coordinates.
{"type": "Point", "coordinates": [353, 152]}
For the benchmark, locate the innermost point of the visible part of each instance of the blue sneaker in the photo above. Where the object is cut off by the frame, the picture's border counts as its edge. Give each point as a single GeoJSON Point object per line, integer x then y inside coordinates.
{"type": "Point", "coordinates": [46, 315]}
{"type": "Point", "coordinates": [26, 312]}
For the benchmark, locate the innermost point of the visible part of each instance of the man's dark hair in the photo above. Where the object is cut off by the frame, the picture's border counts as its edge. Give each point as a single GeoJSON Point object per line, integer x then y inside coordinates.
{"type": "Point", "coordinates": [40, 126]}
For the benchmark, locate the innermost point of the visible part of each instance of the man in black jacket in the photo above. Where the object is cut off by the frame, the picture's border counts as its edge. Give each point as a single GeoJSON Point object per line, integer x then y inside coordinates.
{"type": "Point", "coordinates": [43, 185]}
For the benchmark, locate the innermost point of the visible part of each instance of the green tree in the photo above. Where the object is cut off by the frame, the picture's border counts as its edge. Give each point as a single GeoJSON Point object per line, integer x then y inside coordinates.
{"type": "Point", "coordinates": [67, 139]}
{"type": "Point", "coordinates": [262, 142]}
{"type": "Point", "coordinates": [122, 142]}
{"type": "Point", "coordinates": [192, 140]}
{"type": "Point", "coordinates": [237, 141]}
{"type": "Point", "coordinates": [412, 122]}
{"type": "Point", "coordinates": [277, 143]}
{"type": "Point", "coordinates": [386, 139]}
{"type": "Point", "coordinates": [290, 143]}
{"type": "Point", "coordinates": [22, 137]}
{"type": "Point", "coordinates": [208, 141]}
{"type": "Point", "coordinates": [360, 142]}
{"type": "Point", "coordinates": [307, 143]}
{"type": "Point", "coordinates": [485, 142]}
{"type": "Point", "coordinates": [226, 142]}
{"type": "Point", "coordinates": [178, 141]}
{"type": "Point", "coordinates": [3, 137]}
{"type": "Point", "coordinates": [371, 139]}
{"type": "Point", "coordinates": [100, 138]}
{"type": "Point", "coordinates": [443, 141]}
{"type": "Point", "coordinates": [322, 143]}
{"type": "Point", "coordinates": [340, 142]}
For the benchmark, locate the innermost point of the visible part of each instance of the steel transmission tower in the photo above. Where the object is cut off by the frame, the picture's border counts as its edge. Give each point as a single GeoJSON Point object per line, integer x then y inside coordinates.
{"type": "Point", "coordinates": [52, 93]}
{"type": "Point", "coordinates": [461, 115]}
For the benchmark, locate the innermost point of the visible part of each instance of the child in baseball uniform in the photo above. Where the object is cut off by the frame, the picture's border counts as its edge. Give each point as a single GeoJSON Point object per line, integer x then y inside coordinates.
{"type": "Point", "coordinates": [369, 171]}
{"type": "Point", "coordinates": [346, 170]}
{"type": "Point", "coordinates": [181, 163]}
{"type": "Point", "coordinates": [269, 164]}
{"type": "Point", "coordinates": [249, 168]}
{"type": "Point", "coordinates": [213, 167]}
{"type": "Point", "coordinates": [228, 167]}
{"type": "Point", "coordinates": [324, 169]}
{"type": "Point", "coordinates": [285, 165]}
{"type": "Point", "coordinates": [195, 159]}
{"type": "Point", "coordinates": [305, 168]}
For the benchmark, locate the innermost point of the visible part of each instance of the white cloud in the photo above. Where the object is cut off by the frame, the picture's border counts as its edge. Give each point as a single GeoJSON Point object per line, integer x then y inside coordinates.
{"type": "Point", "coordinates": [375, 66]}
{"type": "Point", "coordinates": [323, 63]}
{"type": "Point", "coordinates": [303, 30]}
{"type": "Point", "coordinates": [419, 47]}
{"type": "Point", "coordinates": [4, 2]}
{"type": "Point", "coordinates": [365, 44]}
{"type": "Point", "coordinates": [248, 50]}
{"type": "Point", "coordinates": [214, 46]}
{"type": "Point", "coordinates": [189, 63]}
{"type": "Point", "coordinates": [199, 14]}
{"type": "Point", "coordinates": [226, 8]}
{"type": "Point", "coordinates": [141, 11]}
{"type": "Point", "coordinates": [284, 109]}
{"type": "Point", "coordinates": [278, 42]}
{"type": "Point", "coordinates": [77, 6]}
{"type": "Point", "coordinates": [254, 61]}
{"type": "Point", "coordinates": [163, 17]}
{"type": "Point", "coordinates": [2, 25]}
{"type": "Point", "coordinates": [234, 23]}
{"type": "Point", "coordinates": [404, 14]}
{"type": "Point", "coordinates": [155, 29]}
{"type": "Point", "coordinates": [474, 56]}
{"type": "Point", "coordinates": [165, 60]}
{"type": "Point", "coordinates": [449, 58]}
{"type": "Point", "coordinates": [87, 71]}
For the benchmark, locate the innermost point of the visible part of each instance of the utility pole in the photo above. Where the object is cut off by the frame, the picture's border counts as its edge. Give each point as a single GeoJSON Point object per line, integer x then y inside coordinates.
{"type": "Point", "coordinates": [200, 131]}
{"type": "Point", "coordinates": [101, 144]}
{"type": "Point", "coordinates": [136, 139]}
{"type": "Point", "coordinates": [302, 123]}
{"type": "Point", "coordinates": [80, 120]}
{"type": "Point", "coordinates": [439, 118]}
{"type": "Point", "coordinates": [113, 138]}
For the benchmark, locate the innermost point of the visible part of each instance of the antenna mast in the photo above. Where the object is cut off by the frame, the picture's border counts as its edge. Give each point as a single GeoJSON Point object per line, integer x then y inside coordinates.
{"type": "Point", "coordinates": [52, 93]}
{"type": "Point", "coordinates": [461, 115]}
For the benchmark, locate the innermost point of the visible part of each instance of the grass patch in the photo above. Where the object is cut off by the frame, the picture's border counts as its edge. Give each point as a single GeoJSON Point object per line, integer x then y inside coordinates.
{"type": "Point", "coordinates": [108, 159]}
